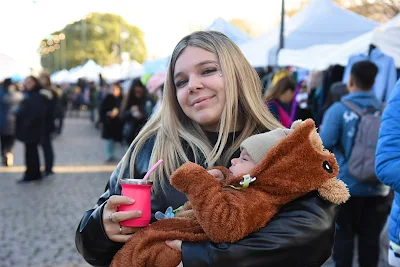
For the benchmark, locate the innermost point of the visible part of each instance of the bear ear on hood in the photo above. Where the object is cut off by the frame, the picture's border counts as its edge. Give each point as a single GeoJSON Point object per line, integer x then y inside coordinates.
{"type": "Point", "coordinates": [295, 124]}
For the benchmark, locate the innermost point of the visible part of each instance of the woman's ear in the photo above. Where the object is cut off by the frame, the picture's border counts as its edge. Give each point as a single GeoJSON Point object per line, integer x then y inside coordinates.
{"type": "Point", "coordinates": [350, 82]}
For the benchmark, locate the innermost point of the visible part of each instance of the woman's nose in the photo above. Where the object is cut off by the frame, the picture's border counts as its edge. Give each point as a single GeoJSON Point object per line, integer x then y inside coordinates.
{"type": "Point", "coordinates": [233, 162]}
{"type": "Point", "coordinates": [194, 83]}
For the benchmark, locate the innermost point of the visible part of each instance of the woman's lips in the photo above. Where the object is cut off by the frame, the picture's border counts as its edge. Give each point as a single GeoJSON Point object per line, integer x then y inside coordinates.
{"type": "Point", "coordinates": [200, 100]}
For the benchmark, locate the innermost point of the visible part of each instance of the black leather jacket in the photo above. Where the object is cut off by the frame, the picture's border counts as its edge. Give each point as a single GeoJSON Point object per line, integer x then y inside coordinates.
{"type": "Point", "coordinates": [301, 234]}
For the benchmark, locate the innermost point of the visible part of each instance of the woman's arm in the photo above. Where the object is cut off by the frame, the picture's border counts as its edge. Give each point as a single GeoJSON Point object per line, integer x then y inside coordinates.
{"type": "Point", "coordinates": [301, 234]}
{"type": "Point", "coordinates": [126, 115]}
{"type": "Point", "coordinates": [331, 126]}
{"type": "Point", "coordinates": [90, 237]}
{"type": "Point", "coordinates": [104, 108]}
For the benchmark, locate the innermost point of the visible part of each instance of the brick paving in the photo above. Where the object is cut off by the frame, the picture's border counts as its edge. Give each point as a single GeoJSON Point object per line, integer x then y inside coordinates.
{"type": "Point", "coordinates": [38, 220]}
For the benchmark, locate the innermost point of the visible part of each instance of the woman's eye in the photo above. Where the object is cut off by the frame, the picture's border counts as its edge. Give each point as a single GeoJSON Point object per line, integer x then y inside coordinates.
{"type": "Point", "coordinates": [180, 84]}
{"type": "Point", "coordinates": [207, 71]}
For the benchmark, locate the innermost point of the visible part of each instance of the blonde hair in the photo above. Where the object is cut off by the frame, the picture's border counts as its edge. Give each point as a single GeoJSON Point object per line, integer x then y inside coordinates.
{"type": "Point", "coordinates": [170, 125]}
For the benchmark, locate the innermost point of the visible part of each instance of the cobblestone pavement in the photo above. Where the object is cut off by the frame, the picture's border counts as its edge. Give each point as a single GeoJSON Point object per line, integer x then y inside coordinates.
{"type": "Point", "coordinates": [39, 219]}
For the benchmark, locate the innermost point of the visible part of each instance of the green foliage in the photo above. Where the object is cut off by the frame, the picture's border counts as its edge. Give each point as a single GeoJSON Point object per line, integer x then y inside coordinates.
{"type": "Point", "coordinates": [100, 37]}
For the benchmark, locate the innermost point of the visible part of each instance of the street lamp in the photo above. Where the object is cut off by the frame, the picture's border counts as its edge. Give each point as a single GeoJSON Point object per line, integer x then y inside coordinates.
{"type": "Point", "coordinates": [281, 32]}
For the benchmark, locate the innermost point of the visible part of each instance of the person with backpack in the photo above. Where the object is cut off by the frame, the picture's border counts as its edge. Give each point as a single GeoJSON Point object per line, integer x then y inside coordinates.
{"type": "Point", "coordinates": [350, 130]}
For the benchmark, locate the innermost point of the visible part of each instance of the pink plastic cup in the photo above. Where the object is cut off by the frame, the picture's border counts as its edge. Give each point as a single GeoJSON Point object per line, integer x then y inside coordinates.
{"type": "Point", "coordinates": [141, 192]}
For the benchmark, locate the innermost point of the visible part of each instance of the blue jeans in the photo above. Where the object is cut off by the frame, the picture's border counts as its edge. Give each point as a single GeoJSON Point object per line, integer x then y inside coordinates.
{"type": "Point", "coordinates": [109, 148]}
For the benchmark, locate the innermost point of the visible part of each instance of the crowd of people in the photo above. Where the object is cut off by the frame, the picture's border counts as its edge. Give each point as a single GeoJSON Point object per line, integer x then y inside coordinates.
{"type": "Point", "coordinates": [209, 101]}
{"type": "Point", "coordinates": [29, 112]}
{"type": "Point", "coordinates": [33, 112]}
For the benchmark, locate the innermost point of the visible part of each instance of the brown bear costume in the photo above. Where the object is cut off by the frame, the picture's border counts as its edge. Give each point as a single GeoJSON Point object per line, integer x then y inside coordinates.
{"type": "Point", "coordinates": [295, 166]}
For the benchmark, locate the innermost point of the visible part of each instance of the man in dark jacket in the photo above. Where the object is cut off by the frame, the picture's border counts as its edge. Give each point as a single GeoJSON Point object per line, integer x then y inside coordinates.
{"type": "Point", "coordinates": [50, 101]}
{"type": "Point", "coordinates": [30, 127]}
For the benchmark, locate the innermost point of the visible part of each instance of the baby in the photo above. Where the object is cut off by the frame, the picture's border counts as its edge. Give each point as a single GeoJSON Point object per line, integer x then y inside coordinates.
{"type": "Point", "coordinates": [253, 150]}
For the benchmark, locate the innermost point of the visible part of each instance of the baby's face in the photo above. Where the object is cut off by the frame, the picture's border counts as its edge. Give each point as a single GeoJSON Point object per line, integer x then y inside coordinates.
{"type": "Point", "coordinates": [242, 165]}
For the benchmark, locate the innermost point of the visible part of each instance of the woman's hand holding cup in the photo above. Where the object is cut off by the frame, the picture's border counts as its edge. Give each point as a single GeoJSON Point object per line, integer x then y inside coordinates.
{"type": "Point", "coordinates": [112, 218]}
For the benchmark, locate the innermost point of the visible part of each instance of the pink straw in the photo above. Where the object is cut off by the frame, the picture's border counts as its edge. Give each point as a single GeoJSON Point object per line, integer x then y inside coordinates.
{"type": "Point", "coordinates": [151, 170]}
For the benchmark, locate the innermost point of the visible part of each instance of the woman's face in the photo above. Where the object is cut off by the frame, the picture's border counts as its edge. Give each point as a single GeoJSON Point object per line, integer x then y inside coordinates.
{"type": "Point", "coordinates": [29, 83]}
{"type": "Point", "coordinates": [199, 87]}
{"type": "Point", "coordinates": [138, 91]}
{"type": "Point", "coordinates": [287, 96]}
{"type": "Point", "coordinates": [116, 91]}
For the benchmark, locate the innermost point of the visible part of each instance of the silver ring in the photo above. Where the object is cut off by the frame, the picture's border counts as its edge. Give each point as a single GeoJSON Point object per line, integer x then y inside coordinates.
{"type": "Point", "coordinates": [110, 217]}
{"type": "Point", "coordinates": [120, 230]}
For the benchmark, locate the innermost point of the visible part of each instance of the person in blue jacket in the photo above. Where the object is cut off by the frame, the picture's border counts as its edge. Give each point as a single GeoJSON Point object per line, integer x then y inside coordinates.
{"type": "Point", "coordinates": [387, 166]}
{"type": "Point", "coordinates": [211, 103]}
{"type": "Point", "coordinates": [365, 213]}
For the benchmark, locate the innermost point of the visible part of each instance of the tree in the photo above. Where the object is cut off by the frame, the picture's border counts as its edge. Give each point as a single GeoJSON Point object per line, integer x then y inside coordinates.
{"type": "Point", "coordinates": [101, 37]}
{"type": "Point", "coordinates": [379, 10]}
{"type": "Point", "coordinates": [243, 25]}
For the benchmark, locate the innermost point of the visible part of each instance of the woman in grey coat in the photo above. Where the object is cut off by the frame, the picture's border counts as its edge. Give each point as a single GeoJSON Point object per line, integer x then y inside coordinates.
{"type": "Point", "coordinates": [10, 97]}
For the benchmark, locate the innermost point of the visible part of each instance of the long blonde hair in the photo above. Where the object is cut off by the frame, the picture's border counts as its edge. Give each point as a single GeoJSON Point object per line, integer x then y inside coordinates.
{"type": "Point", "coordinates": [170, 125]}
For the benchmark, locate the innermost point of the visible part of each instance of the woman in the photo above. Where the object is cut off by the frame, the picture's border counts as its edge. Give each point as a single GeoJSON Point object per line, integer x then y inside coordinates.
{"type": "Point", "coordinates": [212, 102]}
{"type": "Point", "coordinates": [30, 127]}
{"type": "Point", "coordinates": [112, 125]}
{"type": "Point", "coordinates": [51, 100]}
{"type": "Point", "coordinates": [10, 98]}
{"type": "Point", "coordinates": [279, 99]}
{"type": "Point", "coordinates": [135, 111]}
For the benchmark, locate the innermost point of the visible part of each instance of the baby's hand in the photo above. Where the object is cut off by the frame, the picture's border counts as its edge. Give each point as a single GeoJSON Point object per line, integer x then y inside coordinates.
{"type": "Point", "coordinates": [217, 174]}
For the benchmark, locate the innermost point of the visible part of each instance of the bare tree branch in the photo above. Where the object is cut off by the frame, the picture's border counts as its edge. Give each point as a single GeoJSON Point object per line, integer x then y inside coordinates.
{"type": "Point", "coordinates": [379, 10]}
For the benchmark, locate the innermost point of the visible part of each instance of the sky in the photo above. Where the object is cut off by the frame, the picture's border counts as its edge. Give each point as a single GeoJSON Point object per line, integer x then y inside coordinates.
{"type": "Point", "coordinates": [23, 23]}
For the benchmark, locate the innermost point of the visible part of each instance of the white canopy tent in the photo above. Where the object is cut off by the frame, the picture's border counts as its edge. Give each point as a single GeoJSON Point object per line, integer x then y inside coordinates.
{"type": "Point", "coordinates": [90, 71]}
{"type": "Point", "coordinates": [156, 65]}
{"type": "Point", "coordinates": [320, 22]}
{"type": "Point", "coordinates": [59, 76]}
{"type": "Point", "coordinates": [131, 69]}
{"type": "Point", "coordinates": [124, 71]}
{"type": "Point", "coordinates": [230, 30]}
{"type": "Point", "coordinates": [9, 68]}
{"type": "Point", "coordinates": [219, 24]}
{"type": "Point", "coordinates": [319, 57]}
{"type": "Point", "coordinates": [73, 75]}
